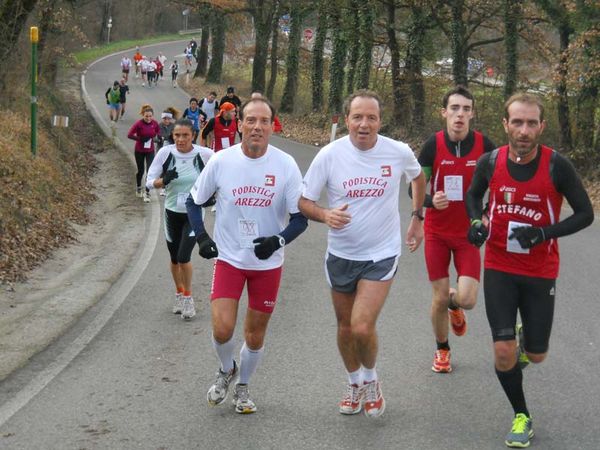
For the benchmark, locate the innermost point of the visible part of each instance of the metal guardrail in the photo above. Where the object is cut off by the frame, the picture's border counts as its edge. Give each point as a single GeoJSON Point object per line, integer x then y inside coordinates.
{"type": "Point", "coordinates": [191, 31]}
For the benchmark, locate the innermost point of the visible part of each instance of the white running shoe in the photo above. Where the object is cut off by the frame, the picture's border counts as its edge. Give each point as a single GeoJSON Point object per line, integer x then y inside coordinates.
{"type": "Point", "coordinates": [178, 306]}
{"type": "Point", "coordinates": [217, 393]}
{"type": "Point", "coordinates": [146, 197]}
{"type": "Point", "coordinates": [352, 403]}
{"type": "Point", "coordinates": [241, 400]}
{"type": "Point", "coordinates": [138, 193]}
{"type": "Point", "coordinates": [189, 309]}
{"type": "Point", "coordinates": [162, 192]}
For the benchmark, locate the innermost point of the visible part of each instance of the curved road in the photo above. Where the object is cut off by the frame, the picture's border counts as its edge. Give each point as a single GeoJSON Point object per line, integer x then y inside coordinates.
{"type": "Point", "coordinates": [132, 375]}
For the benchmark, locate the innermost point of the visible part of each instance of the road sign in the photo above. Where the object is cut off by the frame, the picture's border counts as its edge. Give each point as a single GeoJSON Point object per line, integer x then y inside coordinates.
{"type": "Point", "coordinates": [308, 34]}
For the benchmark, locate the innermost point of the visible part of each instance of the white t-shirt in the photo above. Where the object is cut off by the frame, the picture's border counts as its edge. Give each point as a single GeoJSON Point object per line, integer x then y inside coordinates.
{"type": "Point", "coordinates": [369, 181]}
{"type": "Point", "coordinates": [162, 59]}
{"type": "Point", "coordinates": [254, 199]}
{"type": "Point", "coordinates": [177, 191]}
{"type": "Point", "coordinates": [125, 63]}
{"type": "Point", "coordinates": [208, 108]}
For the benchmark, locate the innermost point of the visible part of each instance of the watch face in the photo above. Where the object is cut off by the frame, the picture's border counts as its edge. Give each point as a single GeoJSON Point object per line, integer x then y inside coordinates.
{"type": "Point", "coordinates": [281, 241]}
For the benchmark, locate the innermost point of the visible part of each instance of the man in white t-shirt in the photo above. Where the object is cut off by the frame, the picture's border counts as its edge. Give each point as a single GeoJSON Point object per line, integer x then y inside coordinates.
{"type": "Point", "coordinates": [256, 186]}
{"type": "Point", "coordinates": [210, 105]}
{"type": "Point", "coordinates": [125, 67]}
{"type": "Point", "coordinates": [362, 173]}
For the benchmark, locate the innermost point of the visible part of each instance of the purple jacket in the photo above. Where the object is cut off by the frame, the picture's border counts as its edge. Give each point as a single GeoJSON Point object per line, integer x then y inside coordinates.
{"type": "Point", "coordinates": [143, 134]}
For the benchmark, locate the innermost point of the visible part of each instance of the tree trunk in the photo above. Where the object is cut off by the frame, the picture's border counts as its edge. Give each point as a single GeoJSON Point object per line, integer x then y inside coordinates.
{"type": "Point", "coordinates": [338, 62]}
{"type": "Point", "coordinates": [262, 13]}
{"type": "Point", "coordinates": [288, 98]}
{"type": "Point", "coordinates": [48, 62]}
{"type": "Point", "coordinates": [274, 50]}
{"type": "Point", "coordinates": [512, 14]}
{"type": "Point", "coordinates": [459, 47]}
{"type": "Point", "coordinates": [587, 105]}
{"type": "Point", "coordinates": [564, 123]}
{"type": "Point", "coordinates": [366, 16]}
{"type": "Point", "coordinates": [399, 110]}
{"type": "Point", "coordinates": [202, 51]}
{"type": "Point", "coordinates": [218, 47]}
{"type": "Point", "coordinates": [317, 58]}
{"type": "Point", "coordinates": [353, 37]}
{"type": "Point", "coordinates": [414, 66]}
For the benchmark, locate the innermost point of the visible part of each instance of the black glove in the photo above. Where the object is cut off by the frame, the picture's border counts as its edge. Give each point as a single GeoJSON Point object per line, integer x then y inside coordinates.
{"type": "Point", "coordinates": [208, 248]}
{"type": "Point", "coordinates": [169, 176]}
{"type": "Point", "coordinates": [266, 246]}
{"type": "Point", "coordinates": [478, 233]}
{"type": "Point", "coordinates": [528, 236]}
{"type": "Point", "coordinates": [210, 202]}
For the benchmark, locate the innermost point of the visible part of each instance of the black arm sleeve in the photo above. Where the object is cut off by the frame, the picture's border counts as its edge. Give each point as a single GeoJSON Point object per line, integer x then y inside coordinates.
{"type": "Point", "coordinates": [296, 226]}
{"type": "Point", "coordinates": [568, 183]}
{"type": "Point", "coordinates": [210, 125]}
{"type": "Point", "coordinates": [488, 145]}
{"type": "Point", "coordinates": [479, 185]}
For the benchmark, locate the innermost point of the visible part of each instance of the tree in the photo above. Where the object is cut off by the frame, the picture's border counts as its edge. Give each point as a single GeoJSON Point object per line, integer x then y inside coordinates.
{"type": "Point", "coordinates": [353, 30]}
{"type": "Point", "coordinates": [202, 51]}
{"type": "Point", "coordinates": [215, 70]}
{"type": "Point", "coordinates": [398, 94]}
{"type": "Point", "coordinates": [366, 16]}
{"type": "Point", "coordinates": [274, 49]}
{"type": "Point", "coordinates": [262, 14]}
{"type": "Point", "coordinates": [288, 98]}
{"type": "Point", "coordinates": [338, 58]}
{"type": "Point", "coordinates": [317, 56]}
{"type": "Point", "coordinates": [512, 14]}
{"type": "Point", "coordinates": [414, 63]}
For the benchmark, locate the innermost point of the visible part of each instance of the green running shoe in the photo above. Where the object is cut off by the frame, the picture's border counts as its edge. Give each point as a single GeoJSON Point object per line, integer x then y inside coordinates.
{"type": "Point", "coordinates": [521, 355]}
{"type": "Point", "coordinates": [520, 433]}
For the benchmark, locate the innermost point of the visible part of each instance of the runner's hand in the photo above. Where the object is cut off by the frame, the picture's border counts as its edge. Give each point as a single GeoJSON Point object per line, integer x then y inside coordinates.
{"type": "Point", "coordinates": [478, 233]}
{"type": "Point", "coordinates": [266, 246]}
{"type": "Point", "coordinates": [208, 248]}
{"type": "Point", "coordinates": [169, 176]}
{"type": "Point", "coordinates": [528, 236]}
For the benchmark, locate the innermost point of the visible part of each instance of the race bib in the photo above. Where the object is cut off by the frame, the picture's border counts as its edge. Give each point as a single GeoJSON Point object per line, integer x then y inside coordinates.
{"type": "Point", "coordinates": [248, 231]}
{"type": "Point", "coordinates": [225, 142]}
{"type": "Point", "coordinates": [512, 245]}
{"type": "Point", "coordinates": [148, 143]}
{"type": "Point", "coordinates": [453, 187]}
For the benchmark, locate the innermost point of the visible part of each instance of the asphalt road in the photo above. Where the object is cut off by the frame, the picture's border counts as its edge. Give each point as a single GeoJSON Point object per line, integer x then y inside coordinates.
{"type": "Point", "coordinates": [132, 375]}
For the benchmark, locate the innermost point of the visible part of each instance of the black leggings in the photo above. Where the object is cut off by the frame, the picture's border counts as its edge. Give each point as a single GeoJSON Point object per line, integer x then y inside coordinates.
{"type": "Point", "coordinates": [180, 237]}
{"type": "Point", "coordinates": [533, 297]}
{"type": "Point", "coordinates": [140, 160]}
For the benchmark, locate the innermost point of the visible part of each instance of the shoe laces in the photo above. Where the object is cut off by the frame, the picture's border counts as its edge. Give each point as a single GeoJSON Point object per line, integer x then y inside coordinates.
{"type": "Point", "coordinates": [352, 394]}
{"type": "Point", "coordinates": [520, 423]}
{"type": "Point", "coordinates": [241, 392]}
{"type": "Point", "coordinates": [371, 391]}
{"type": "Point", "coordinates": [442, 355]}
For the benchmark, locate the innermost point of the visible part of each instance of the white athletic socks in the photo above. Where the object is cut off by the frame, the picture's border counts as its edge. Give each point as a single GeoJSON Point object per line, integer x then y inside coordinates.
{"type": "Point", "coordinates": [355, 377]}
{"type": "Point", "coordinates": [249, 361]}
{"type": "Point", "coordinates": [225, 353]}
{"type": "Point", "coordinates": [369, 375]}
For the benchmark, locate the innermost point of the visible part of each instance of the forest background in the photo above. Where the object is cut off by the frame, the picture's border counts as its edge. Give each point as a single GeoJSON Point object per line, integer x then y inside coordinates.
{"type": "Point", "coordinates": [304, 55]}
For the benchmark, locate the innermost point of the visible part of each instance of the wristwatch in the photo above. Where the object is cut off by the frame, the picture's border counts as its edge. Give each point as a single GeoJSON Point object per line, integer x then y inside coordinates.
{"type": "Point", "coordinates": [281, 240]}
{"type": "Point", "coordinates": [418, 214]}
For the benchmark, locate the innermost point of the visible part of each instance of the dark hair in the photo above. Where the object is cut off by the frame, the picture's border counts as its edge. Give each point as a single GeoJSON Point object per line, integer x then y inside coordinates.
{"type": "Point", "coordinates": [361, 93]}
{"type": "Point", "coordinates": [212, 93]}
{"type": "Point", "coordinates": [524, 97]}
{"type": "Point", "coordinates": [185, 122]}
{"type": "Point", "coordinates": [230, 89]}
{"type": "Point", "coordinates": [255, 100]}
{"type": "Point", "coordinates": [193, 99]}
{"type": "Point", "coordinates": [457, 90]}
{"type": "Point", "coordinates": [116, 83]}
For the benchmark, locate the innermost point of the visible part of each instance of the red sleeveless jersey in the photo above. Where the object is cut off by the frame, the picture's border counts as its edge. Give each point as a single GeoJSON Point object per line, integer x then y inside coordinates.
{"type": "Point", "coordinates": [223, 132]}
{"type": "Point", "coordinates": [513, 203]}
{"type": "Point", "coordinates": [452, 175]}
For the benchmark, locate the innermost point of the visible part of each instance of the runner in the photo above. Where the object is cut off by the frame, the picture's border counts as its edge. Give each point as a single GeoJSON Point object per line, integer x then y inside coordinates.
{"type": "Point", "coordinates": [174, 72]}
{"type": "Point", "coordinates": [196, 115]}
{"type": "Point", "coordinates": [175, 169]}
{"type": "Point", "coordinates": [448, 160]}
{"type": "Point", "coordinates": [209, 105]}
{"type": "Point", "coordinates": [137, 59]}
{"type": "Point", "coordinates": [256, 186]}
{"type": "Point", "coordinates": [144, 70]}
{"type": "Point", "coordinates": [143, 132]}
{"type": "Point", "coordinates": [222, 129]}
{"type": "Point", "coordinates": [230, 97]}
{"type": "Point", "coordinates": [163, 61]}
{"type": "Point", "coordinates": [113, 97]}
{"type": "Point", "coordinates": [125, 67]}
{"type": "Point", "coordinates": [151, 74]}
{"type": "Point", "coordinates": [188, 54]}
{"type": "Point", "coordinates": [123, 91]}
{"type": "Point", "coordinates": [527, 182]}
{"type": "Point", "coordinates": [362, 173]}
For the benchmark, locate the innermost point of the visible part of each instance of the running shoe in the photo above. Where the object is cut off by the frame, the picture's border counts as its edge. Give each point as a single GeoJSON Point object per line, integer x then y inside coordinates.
{"type": "Point", "coordinates": [241, 400]}
{"type": "Point", "coordinates": [458, 320]}
{"type": "Point", "coordinates": [352, 401]}
{"type": "Point", "coordinates": [162, 192]}
{"type": "Point", "coordinates": [146, 197]}
{"type": "Point", "coordinates": [138, 192]}
{"type": "Point", "coordinates": [521, 432]}
{"type": "Point", "coordinates": [189, 309]}
{"type": "Point", "coordinates": [522, 357]}
{"type": "Point", "coordinates": [374, 401]}
{"type": "Point", "coordinates": [218, 391]}
{"type": "Point", "coordinates": [178, 306]}
{"type": "Point", "coordinates": [441, 361]}
{"type": "Point", "coordinates": [213, 209]}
